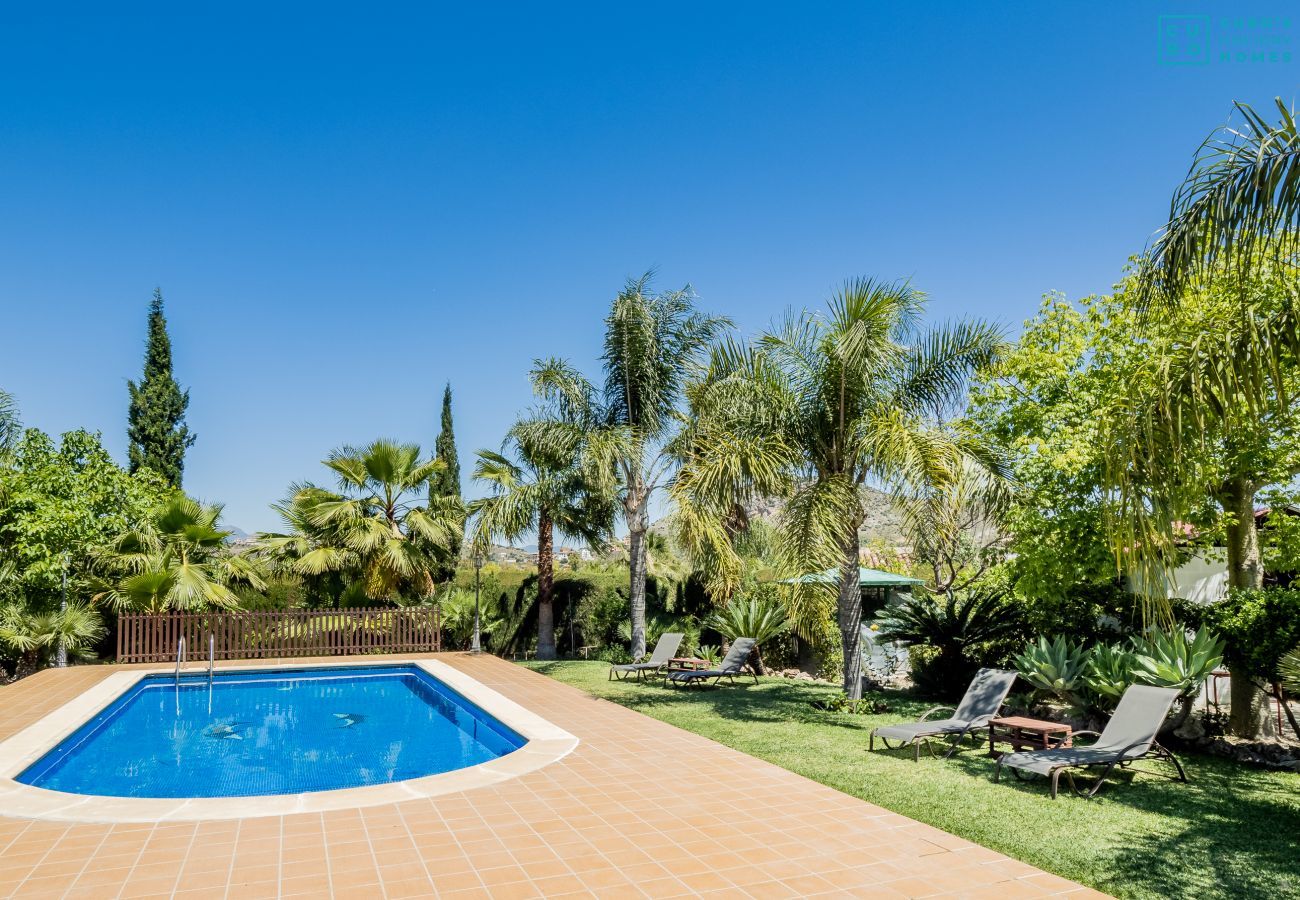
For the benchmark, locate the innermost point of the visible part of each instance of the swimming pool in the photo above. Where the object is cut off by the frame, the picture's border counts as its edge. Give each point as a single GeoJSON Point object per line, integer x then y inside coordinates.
{"type": "Point", "coordinates": [258, 733]}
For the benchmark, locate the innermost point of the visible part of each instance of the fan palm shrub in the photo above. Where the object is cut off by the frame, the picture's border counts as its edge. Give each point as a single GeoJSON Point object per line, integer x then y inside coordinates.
{"type": "Point", "coordinates": [759, 615]}
{"type": "Point", "coordinates": [815, 410]}
{"type": "Point", "coordinates": [32, 638]}
{"type": "Point", "coordinates": [313, 555]}
{"type": "Point", "coordinates": [177, 559]}
{"type": "Point", "coordinates": [380, 521]}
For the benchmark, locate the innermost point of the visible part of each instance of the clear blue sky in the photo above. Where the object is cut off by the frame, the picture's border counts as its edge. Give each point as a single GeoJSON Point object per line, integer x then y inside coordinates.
{"type": "Point", "coordinates": [348, 205]}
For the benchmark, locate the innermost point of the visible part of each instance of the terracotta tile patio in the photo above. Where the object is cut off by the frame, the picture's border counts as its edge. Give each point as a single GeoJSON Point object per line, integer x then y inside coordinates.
{"type": "Point", "coordinates": [639, 809]}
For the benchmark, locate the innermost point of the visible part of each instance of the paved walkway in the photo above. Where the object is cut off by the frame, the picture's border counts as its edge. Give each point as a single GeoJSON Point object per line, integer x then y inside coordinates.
{"type": "Point", "coordinates": [641, 808]}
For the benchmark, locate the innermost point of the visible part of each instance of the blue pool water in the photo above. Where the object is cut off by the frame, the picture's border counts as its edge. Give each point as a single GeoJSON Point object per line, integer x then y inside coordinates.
{"type": "Point", "coordinates": [273, 732]}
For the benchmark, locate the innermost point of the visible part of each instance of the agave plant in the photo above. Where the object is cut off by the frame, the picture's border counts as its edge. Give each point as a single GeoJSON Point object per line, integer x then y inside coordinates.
{"type": "Point", "coordinates": [1110, 672]}
{"type": "Point", "coordinates": [710, 653]}
{"type": "Point", "coordinates": [1172, 659]}
{"type": "Point", "coordinates": [1057, 667]}
{"type": "Point", "coordinates": [760, 616]}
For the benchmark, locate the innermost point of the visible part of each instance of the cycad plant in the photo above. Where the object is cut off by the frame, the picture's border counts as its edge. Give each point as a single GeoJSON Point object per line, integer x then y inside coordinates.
{"type": "Point", "coordinates": [954, 625]}
{"type": "Point", "coordinates": [817, 409]}
{"type": "Point", "coordinates": [177, 559]}
{"type": "Point", "coordinates": [759, 615]}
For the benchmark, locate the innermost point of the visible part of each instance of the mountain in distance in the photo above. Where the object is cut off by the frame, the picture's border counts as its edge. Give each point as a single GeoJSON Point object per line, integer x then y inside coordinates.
{"type": "Point", "coordinates": [881, 522]}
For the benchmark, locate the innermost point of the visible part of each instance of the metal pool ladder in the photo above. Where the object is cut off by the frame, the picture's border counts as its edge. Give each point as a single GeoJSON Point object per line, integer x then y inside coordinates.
{"type": "Point", "coordinates": [180, 659]}
{"type": "Point", "coordinates": [212, 654]}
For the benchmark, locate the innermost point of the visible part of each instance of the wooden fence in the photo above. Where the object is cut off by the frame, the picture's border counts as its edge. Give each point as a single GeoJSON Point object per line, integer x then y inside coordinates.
{"type": "Point", "coordinates": [142, 637]}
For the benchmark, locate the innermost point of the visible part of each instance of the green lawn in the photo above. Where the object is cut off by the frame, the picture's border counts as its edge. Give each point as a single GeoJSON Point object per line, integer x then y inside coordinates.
{"type": "Point", "coordinates": [1232, 832]}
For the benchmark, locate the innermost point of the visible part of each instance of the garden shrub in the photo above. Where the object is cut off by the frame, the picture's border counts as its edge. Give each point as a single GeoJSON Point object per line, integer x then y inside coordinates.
{"type": "Point", "coordinates": [1258, 628]}
{"type": "Point", "coordinates": [602, 615]}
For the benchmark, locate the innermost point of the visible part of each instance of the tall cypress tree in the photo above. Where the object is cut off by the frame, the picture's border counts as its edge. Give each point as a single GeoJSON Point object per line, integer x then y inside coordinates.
{"type": "Point", "coordinates": [156, 422]}
{"type": "Point", "coordinates": [447, 482]}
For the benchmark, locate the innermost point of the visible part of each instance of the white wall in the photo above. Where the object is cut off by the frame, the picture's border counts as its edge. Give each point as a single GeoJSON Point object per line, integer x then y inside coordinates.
{"type": "Point", "coordinates": [1202, 579]}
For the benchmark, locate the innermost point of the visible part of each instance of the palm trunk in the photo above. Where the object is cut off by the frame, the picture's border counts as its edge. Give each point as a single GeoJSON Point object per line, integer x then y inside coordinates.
{"type": "Point", "coordinates": [849, 607]}
{"type": "Point", "coordinates": [1247, 710]}
{"type": "Point", "coordinates": [638, 522]}
{"type": "Point", "coordinates": [545, 585]}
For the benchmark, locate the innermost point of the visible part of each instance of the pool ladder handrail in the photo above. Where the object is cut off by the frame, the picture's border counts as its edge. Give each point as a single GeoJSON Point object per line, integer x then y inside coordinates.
{"type": "Point", "coordinates": [212, 654]}
{"type": "Point", "coordinates": [180, 659]}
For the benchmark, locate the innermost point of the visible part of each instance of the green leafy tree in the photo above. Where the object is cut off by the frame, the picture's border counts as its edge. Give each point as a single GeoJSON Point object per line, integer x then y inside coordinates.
{"type": "Point", "coordinates": [539, 486]}
{"type": "Point", "coordinates": [445, 483]}
{"type": "Point", "coordinates": [376, 517]}
{"type": "Point", "coordinates": [61, 502]}
{"type": "Point", "coordinates": [177, 559]}
{"type": "Point", "coordinates": [1124, 456]}
{"type": "Point", "coordinates": [156, 425]}
{"type": "Point", "coordinates": [817, 409]}
{"type": "Point", "coordinates": [653, 343]}
{"type": "Point", "coordinates": [1041, 403]}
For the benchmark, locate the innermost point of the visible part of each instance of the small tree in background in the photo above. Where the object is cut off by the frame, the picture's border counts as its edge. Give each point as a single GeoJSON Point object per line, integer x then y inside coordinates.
{"type": "Point", "coordinates": [446, 483]}
{"type": "Point", "coordinates": [156, 421]}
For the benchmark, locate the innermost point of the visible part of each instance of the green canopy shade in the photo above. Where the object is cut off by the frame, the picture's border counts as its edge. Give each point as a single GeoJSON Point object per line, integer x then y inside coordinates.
{"type": "Point", "coordinates": [866, 578]}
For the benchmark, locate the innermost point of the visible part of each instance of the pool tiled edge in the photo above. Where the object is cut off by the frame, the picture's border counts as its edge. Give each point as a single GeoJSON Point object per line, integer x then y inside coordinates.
{"type": "Point", "coordinates": [546, 744]}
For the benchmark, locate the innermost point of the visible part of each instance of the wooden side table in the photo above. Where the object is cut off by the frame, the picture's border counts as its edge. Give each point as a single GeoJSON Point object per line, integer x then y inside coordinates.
{"type": "Point", "coordinates": [687, 664]}
{"type": "Point", "coordinates": [1024, 733]}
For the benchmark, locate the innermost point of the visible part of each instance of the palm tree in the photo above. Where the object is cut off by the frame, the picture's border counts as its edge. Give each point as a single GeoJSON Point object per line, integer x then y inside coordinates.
{"type": "Point", "coordinates": [1241, 195]}
{"type": "Point", "coordinates": [816, 409]}
{"type": "Point", "coordinates": [376, 519]}
{"type": "Point", "coordinates": [541, 488]}
{"type": "Point", "coordinates": [175, 560]}
{"type": "Point", "coordinates": [31, 637]}
{"type": "Point", "coordinates": [653, 343]}
{"type": "Point", "coordinates": [10, 424]}
{"type": "Point", "coordinates": [317, 556]}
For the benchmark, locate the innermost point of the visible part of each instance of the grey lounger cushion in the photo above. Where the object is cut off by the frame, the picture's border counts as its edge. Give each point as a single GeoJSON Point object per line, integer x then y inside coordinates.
{"type": "Point", "coordinates": [984, 697]}
{"type": "Point", "coordinates": [910, 731]}
{"type": "Point", "coordinates": [665, 649]}
{"type": "Point", "coordinates": [1129, 734]}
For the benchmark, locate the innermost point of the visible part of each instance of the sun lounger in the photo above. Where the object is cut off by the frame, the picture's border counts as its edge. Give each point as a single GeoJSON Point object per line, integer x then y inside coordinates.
{"type": "Point", "coordinates": [984, 697]}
